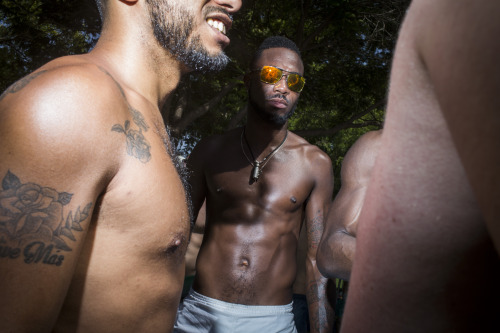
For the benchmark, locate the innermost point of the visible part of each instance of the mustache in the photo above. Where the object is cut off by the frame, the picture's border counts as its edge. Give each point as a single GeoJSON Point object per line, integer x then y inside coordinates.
{"type": "Point", "coordinates": [214, 9]}
{"type": "Point", "coordinates": [283, 97]}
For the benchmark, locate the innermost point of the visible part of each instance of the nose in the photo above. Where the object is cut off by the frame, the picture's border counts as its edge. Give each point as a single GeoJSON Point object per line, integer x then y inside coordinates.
{"type": "Point", "coordinates": [231, 6]}
{"type": "Point", "coordinates": [282, 85]}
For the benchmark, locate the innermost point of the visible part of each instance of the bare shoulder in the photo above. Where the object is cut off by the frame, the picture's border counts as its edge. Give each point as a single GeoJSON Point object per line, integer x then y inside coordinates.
{"type": "Point", "coordinates": [61, 114]}
{"type": "Point", "coordinates": [310, 152]}
{"type": "Point", "coordinates": [213, 144]}
{"type": "Point", "coordinates": [313, 158]}
{"type": "Point", "coordinates": [360, 158]}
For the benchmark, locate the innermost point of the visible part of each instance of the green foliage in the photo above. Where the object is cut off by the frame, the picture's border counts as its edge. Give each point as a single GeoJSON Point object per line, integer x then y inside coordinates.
{"type": "Point", "coordinates": [346, 48]}
{"type": "Point", "coordinates": [32, 32]}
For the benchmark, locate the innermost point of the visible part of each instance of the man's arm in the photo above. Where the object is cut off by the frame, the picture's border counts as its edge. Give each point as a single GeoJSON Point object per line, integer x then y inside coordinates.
{"type": "Point", "coordinates": [51, 175]}
{"type": "Point", "coordinates": [321, 312]}
{"type": "Point", "coordinates": [466, 77]}
{"type": "Point", "coordinates": [338, 243]}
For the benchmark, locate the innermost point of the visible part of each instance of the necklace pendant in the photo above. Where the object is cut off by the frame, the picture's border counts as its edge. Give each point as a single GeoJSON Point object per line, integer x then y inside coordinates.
{"type": "Point", "coordinates": [256, 171]}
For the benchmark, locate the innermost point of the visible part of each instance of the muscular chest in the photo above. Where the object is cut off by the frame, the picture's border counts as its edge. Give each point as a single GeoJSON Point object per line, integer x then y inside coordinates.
{"type": "Point", "coordinates": [282, 185]}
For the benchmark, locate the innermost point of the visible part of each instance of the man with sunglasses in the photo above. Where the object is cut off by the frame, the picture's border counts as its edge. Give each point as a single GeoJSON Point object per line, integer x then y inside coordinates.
{"type": "Point", "coordinates": [260, 182]}
{"type": "Point", "coordinates": [94, 219]}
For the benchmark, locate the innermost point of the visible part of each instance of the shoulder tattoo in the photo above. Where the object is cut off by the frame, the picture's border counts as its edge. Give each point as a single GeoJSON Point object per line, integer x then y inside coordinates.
{"type": "Point", "coordinates": [17, 86]}
{"type": "Point", "coordinates": [137, 145]}
{"type": "Point", "coordinates": [34, 224]}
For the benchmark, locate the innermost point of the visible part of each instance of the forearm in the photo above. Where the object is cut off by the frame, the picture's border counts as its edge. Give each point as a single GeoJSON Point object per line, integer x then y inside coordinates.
{"type": "Point", "coordinates": [320, 299]}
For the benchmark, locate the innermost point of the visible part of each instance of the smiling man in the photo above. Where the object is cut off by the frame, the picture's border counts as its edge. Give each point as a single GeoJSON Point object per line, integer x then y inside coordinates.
{"type": "Point", "coordinates": [94, 220]}
{"type": "Point", "coordinates": [260, 182]}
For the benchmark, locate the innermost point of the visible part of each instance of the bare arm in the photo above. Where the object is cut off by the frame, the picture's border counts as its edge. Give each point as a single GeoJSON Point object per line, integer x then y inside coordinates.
{"type": "Point", "coordinates": [51, 177]}
{"type": "Point", "coordinates": [466, 81]}
{"type": "Point", "coordinates": [338, 243]}
{"type": "Point", "coordinates": [321, 312]}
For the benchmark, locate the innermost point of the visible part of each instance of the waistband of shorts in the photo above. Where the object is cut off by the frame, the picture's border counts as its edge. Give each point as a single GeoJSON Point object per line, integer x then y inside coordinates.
{"type": "Point", "coordinates": [253, 309]}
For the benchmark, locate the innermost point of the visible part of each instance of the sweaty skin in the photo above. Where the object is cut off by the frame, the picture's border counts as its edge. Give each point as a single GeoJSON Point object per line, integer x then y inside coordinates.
{"type": "Point", "coordinates": [248, 254]}
{"type": "Point", "coordinates": [94, 221]}
{"type": "Point", "coordinates": [338, 243]}
{"type": "Point", "coordinates": [425, 255]}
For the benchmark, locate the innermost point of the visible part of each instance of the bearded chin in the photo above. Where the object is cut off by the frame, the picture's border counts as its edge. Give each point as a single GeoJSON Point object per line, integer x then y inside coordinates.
{"type": "Point", "coordinates": [172, 33]}
{"type": "Point", "coordinates": [272, 117]}
{"type": "Point", "coordinates": [196, 57]}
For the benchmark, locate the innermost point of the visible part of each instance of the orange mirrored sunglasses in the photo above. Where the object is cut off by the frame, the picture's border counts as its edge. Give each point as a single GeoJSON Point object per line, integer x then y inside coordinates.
{"type": "Point", "coordinates": [272, 75]}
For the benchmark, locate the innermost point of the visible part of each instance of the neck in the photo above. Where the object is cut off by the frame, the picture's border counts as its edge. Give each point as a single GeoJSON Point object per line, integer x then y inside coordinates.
{"type": "Point", "coordinates": [130, 53]}
{"type": "Point", "coordinates": [263, 136]}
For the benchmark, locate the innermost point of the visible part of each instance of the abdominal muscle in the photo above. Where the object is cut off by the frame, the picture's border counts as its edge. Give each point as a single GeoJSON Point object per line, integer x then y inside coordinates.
{"type": "Point", "coordinates": [238, 265]}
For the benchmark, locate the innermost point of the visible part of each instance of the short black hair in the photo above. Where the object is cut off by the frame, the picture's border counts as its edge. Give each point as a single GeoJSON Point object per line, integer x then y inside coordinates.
{"type": "Point", "coordinates": [273, 42]}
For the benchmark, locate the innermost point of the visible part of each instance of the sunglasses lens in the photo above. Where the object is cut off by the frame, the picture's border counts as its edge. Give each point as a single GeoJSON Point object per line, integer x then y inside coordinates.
{"type": "Point", "coordinates": [270, 74]}
{"type": "Point", "coordinates": [296, 82]}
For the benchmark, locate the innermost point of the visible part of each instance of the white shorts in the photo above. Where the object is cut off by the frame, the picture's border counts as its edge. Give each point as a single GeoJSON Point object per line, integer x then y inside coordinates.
{"type": "Point", "coordinates": [198, 313]}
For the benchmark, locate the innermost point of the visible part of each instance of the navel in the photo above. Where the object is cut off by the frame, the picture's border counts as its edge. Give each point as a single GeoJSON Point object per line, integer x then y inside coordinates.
{"type": "Point", "coordinates": [244, 262]}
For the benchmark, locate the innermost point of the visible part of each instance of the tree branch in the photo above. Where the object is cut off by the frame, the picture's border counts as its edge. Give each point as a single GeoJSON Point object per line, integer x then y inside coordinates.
{"type": "Point", "coordinates": [347, 124]}
{"type": "Point", "coordinates": [187, 119]}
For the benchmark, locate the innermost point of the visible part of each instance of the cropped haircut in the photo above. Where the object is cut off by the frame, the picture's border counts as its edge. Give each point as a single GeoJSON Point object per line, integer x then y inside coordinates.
{"type": "Point", "coordinates": [271, 43]}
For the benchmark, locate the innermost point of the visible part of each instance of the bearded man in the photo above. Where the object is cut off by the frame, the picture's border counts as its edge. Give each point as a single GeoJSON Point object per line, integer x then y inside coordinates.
{"type": "Point", "coordinates": [260, 182]}
{"type": "Point", "coordinates": [94, 220]}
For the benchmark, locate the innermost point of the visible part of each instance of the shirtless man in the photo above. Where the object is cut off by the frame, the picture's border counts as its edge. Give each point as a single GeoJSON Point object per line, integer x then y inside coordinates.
{"type": "Point", "coordinates": [247, 262]}
{"type": "Point", "coordinates": [425, 255]}
{"type": "Point", "coordinates": [94, 223]}
{"type": "Point", "coordinates": [338, 243]}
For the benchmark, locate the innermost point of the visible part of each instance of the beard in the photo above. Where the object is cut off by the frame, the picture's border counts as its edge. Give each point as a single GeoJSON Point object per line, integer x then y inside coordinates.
{"type": "Point", "coordinates": [272, 117]}
{"type": "Point", "coordinates": [173, 26]}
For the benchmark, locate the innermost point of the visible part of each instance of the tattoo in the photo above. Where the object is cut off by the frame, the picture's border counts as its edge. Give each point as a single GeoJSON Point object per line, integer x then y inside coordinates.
{"type": "Point", "coordinates": [315, 230]}
{"type": "Point", "coordinates": [32, 222]}
{"type": "Point", "coordinates": [17, 86]}
{"type": "Point", "coordinates": [320, 310]}
{"type": "Point", "coordinates": [137, 145]}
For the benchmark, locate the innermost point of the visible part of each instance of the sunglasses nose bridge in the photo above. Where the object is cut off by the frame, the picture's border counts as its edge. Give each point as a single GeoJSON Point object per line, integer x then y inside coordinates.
{"type": "Point", "coordinates": [282, 83]}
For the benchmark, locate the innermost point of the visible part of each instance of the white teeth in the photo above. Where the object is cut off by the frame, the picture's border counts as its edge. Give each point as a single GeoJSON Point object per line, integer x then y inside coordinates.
{"type": "Point", "coordinates": [217, 25]}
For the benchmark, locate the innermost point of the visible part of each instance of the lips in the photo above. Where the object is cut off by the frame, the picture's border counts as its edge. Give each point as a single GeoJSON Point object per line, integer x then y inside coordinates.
{"type": "Point", "coordinates": [219, 20]}
{"type": "Point", "coordinates": [278, 102]}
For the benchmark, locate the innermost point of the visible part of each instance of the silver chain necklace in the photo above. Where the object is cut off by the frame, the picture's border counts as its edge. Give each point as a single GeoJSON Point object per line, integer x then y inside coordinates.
{"type": "Point", "coordinates": [258, 166]}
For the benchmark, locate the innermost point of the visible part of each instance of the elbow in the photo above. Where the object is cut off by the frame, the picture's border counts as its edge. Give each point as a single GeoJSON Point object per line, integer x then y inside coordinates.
{"type": "Point", "coordinates": [324, 261]}
{"type": "Point", "coordinates": [332, 265]}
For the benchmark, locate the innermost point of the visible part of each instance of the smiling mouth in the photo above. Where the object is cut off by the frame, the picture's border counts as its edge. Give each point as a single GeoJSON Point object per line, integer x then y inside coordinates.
{"type": "Point", "coordinates": [216, 24]}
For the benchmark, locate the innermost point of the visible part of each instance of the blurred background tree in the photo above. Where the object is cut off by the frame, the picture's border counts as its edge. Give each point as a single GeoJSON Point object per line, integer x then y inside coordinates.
{"type": "Point", "coordinates": [346, 45]}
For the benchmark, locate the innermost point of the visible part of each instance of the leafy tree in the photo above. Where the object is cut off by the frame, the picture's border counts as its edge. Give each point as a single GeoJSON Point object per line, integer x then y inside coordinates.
{"type": "Point", "coordinates": [32, 32]}
{"type": "Point", "coordinates": [346, 47]}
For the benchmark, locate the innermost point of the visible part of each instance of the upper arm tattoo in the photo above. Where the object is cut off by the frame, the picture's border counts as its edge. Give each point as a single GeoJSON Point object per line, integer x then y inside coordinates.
{"type": "Point", "coordinates": [17, 86]}
{"type": "Point", "coordinates": [33, 225]}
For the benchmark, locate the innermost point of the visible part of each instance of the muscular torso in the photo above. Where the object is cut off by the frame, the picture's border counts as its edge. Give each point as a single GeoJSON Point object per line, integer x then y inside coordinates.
{"type": "Point", "coordinates": [129, 271]}
{"type": "Point", "coordinates": [425, 260]}
{"type": "Point", "coordinates": [248, 255]}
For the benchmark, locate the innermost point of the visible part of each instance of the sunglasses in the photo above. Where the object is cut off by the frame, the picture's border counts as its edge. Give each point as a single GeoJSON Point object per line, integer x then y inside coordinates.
{"type": "Point", "coordinates": [272, 75]}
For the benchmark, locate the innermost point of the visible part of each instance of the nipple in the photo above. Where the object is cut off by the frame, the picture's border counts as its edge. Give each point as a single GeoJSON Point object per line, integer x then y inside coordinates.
{"type": "Point", "coordinates": [293, 200]}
